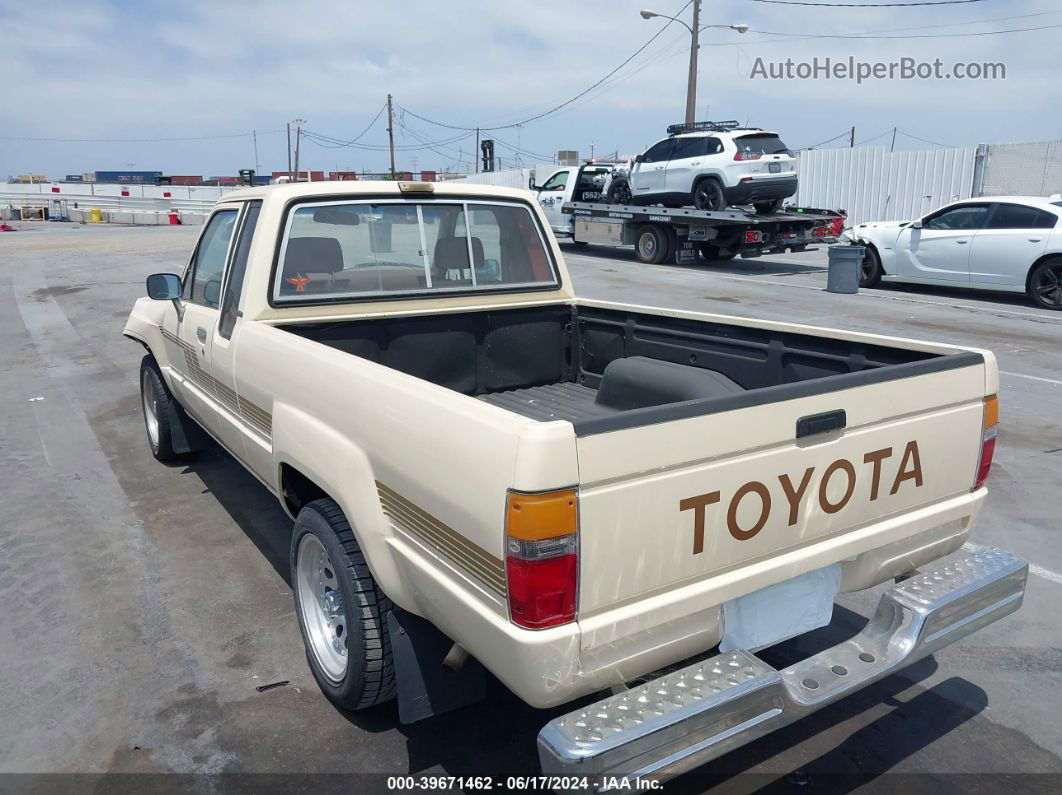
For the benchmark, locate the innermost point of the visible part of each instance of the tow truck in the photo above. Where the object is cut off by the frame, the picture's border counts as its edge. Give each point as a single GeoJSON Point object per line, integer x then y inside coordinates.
{"type": "Point", "coordinates": [572, 199]}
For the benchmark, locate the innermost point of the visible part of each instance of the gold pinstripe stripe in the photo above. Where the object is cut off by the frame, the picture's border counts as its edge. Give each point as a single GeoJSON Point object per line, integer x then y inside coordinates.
{"type": "Point", "coordinates": [475, 561]}
{"type": "Point", "coordinates": [257, 418]}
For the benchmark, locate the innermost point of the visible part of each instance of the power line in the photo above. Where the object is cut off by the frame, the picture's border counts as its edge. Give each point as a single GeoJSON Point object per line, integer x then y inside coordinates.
{"type": "Point", "coordinates": [561, 105]}
{"type": "Point", "coordinates": [868, 5]}
{"type": "Point", "coordinates": [869, 37]}
{"type": "Point", "coordinates": [925, 140]}
{"type": "Point", "coordinates": [249, 134]}
{"type": "Point", "coordinates": [339, 145]}
{"type": "Point", "coordinates": [828, 140]}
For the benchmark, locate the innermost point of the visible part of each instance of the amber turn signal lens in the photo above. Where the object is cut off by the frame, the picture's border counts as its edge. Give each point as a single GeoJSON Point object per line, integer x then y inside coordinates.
{"type": "Point", "coordinates": [991, 411]}
{"type": "Point", "coordinates": [533, 517]}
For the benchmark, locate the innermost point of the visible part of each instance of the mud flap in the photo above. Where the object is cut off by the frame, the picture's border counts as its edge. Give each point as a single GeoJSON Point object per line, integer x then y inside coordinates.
{"type": "Point", "coordinates": [185, 434]}
{"type": "Point", "coordinates": [425, 687]}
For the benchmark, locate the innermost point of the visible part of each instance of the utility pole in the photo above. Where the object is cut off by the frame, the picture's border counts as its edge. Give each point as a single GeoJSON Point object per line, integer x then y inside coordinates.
{"type": "Point", "coordinates": [475, 154]}
{"type": "Point", "coordinates": [851, 139]}
{"type": "Point", "coordinates": [391, 134]}
{"type": "Point", "coordinates": [893, 147]}
{"type": "Point", "coordinates": [298, 140]}
{"type": "Point", "coordinates": [691, 85]}
{"type": "Point", "coordinates": [288, 125]}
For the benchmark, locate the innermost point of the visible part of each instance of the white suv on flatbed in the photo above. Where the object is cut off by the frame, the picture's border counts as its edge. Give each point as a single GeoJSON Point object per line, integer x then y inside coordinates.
{"type": "Point", "coordinates": [711, 165]}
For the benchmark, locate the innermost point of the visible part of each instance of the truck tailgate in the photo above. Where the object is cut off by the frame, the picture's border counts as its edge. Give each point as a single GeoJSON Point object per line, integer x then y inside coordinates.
{"type": "Point", "coordinates": [673, 503]}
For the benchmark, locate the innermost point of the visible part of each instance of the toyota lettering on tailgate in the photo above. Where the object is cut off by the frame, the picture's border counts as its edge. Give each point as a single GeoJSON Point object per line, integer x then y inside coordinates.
{"type": "Point", "coordinates": [793, 490]}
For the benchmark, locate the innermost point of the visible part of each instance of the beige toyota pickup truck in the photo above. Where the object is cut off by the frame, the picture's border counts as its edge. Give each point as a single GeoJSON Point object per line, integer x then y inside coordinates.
{"type": "Point", "coordinates": [487, 473]}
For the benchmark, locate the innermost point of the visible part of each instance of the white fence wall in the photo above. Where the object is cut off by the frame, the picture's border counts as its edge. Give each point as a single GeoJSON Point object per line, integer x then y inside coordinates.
{"type": "Point", "coordinates": [511, 178]}
{"type": "Point", "coordinates": [189, 199]}
{"type": "Point", "coordinates": [875, 185]}
{"type": "Point", "coordinates": [1032, 168]}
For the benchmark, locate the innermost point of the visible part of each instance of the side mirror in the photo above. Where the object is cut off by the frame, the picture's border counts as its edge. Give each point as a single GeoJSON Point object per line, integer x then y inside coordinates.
{"type": "Point", "coordinates": [164, 286]}
{"type": "Point", "coordinates": [637, 158]}
{"type": "Point", "coordinates": [531, 184]}
{"type": "Point", "coordinates": [916, 224]}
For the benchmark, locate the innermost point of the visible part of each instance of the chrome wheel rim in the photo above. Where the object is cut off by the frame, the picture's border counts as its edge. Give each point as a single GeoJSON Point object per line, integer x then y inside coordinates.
{"type": "Point", "coordinates": [647, 245]}
{"type": "Point", "coordinates": [321, 607]}
{"type": "Point", "coordinates": [151, 407]}
{"type": "Point", "coordinates": [1048, 286]}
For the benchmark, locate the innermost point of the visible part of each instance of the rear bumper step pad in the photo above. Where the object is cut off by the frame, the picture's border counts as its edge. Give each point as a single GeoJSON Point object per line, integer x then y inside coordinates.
{"type": "Point", "coordinates": [688, 717]}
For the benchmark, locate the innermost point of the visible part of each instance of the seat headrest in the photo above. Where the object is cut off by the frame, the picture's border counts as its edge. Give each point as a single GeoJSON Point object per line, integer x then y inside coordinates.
{"type": "Point", "coordinates": [451, 253]}
{"type": "Point", "coordinates": [313, 255]}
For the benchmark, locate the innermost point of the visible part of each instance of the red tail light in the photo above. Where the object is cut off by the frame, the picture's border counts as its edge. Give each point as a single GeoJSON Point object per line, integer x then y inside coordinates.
{"type": "Point", "coordinates": [748, 155]}
{"type": "Point", "coordinates": [542, 558]}
{"type": "Point", "coordinates": [988, 441]}
{"type": "Point", "coordinates": [753, 236]}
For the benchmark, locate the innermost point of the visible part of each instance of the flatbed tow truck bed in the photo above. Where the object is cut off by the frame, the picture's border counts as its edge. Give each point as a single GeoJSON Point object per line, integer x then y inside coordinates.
{"type": "Point", "coordinates": [678, 234]}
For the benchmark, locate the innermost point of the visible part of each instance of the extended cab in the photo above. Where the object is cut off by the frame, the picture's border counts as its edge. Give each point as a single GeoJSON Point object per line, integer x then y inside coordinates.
{"type": "Point", "coordinates": [572, 494]}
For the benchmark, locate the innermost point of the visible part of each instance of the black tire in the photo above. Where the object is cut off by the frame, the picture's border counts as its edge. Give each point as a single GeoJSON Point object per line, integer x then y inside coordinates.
{"type": "Point", "coordinates": [652, 245]}
{"type": "Point", "coordinates": [870, 270]}
{"type": "Point", "coordinates": [708, 195]}
{"type": "Point", "coordinates": [1045, 284]}
{"type": "Point", "coordinates": [713, 253]}
{"type": "Point", "coordinates": [155, 402]}
{"type": "Point", "coordinates": [766, 208]}
{"type": "Point", "coordinates": [579, 243]}
{"type": "Point", "coordinates": [369, 676]}
{"type": "Point", "coordinates": [619, 192]}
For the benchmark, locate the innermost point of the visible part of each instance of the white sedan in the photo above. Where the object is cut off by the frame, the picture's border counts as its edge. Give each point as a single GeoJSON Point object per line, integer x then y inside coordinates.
{"type": "Point", "coordinates": [1005, 243]}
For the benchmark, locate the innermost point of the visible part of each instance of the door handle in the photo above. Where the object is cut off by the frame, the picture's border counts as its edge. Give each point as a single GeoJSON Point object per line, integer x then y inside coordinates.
{"type": "Point", "coordinates": [962, 242]}
{"type": "Point", "coordinates": [1034, 240]}
{"type": "Point", "coordinates": [658, 168]}
{"type": "Point", "coordinates": [695, 163]}
{"type": "Point", "coordinates": [201, 333]}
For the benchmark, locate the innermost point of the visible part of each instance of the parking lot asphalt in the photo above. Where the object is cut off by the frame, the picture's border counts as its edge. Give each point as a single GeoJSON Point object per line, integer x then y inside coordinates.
{"type": "Point", "coordinates": [143, 604]}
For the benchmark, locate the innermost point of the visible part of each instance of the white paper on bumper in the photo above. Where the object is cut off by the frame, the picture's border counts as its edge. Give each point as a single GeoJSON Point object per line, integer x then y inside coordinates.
{"type": "Point", "coordinates": [778, 612]}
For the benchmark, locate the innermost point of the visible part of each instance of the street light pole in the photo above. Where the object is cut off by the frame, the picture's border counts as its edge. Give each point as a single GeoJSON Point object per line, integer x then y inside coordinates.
{"type": "Point", "coordinates": [695, 31]}
{"type": "Point", "coordinates": [691, 84]}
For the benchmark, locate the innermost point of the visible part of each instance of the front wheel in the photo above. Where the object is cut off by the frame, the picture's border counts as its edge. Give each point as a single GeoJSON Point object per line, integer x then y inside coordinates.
{"type": "Point", "coordinates": [870, 271]}
{"type": "Point", "coordinates": [708, 195]}
{"type": "Point", "coordinates": [155, 399]}
{"type": "Point", "coordinates": [619, 192]}
{"type": "Point", "coordinates": [342, 612]}
{"type": "Point", "coordinates": [1045, 284]}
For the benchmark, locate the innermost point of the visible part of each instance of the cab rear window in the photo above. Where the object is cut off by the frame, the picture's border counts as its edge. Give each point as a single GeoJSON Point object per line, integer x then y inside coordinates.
{"type": "Point", "coordinates": [764, 144]}
{"type": "Point", "coordinates": [346, 250]}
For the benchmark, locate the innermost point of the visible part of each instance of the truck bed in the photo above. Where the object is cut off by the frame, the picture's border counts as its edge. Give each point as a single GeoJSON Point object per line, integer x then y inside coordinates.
{"type": "Point", "coordinates": [607, 369]}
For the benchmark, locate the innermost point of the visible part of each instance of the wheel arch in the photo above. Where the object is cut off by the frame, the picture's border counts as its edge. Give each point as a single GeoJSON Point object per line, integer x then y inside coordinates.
{"type": "Point", "coordinates": [1040, 261]}
{"type": "Point", "coordinates": [314, 461]}
{"type": "Point", "coordinates": [715, 175]}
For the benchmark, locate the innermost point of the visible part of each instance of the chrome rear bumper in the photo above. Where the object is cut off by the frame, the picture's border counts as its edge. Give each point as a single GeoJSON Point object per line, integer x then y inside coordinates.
{"type": "Point", "coordinates": [691, 716]}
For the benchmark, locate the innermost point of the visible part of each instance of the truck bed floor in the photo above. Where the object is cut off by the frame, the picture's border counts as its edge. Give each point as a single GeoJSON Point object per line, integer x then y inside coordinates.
{"type": "Point", "coordinates": [565, 401]}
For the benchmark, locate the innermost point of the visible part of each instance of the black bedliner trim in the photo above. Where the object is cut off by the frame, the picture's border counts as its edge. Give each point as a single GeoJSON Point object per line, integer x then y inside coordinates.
{"type": "Point", "coordinates": [634, 418]}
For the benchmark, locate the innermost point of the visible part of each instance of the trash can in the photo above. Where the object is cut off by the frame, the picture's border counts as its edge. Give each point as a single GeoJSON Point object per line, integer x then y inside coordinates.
{"type": "Point", "coordinates": [95, 216]}
{"type": "Point", "coordinates": [844, 268]}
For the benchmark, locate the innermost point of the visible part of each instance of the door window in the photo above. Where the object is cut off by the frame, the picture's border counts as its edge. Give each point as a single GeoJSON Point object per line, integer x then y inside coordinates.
{"type": "Point", "coordinates": [967, 217]}
{"type": "Point", "coordinates": [686, 148]}
{"type": "Point", "coordinates": [659, 152]}
{"type": "Point", "coordinates": [204, 286]}
{"type": "Point", "coordinates": [1017, 216]}
{"type": "Point", "coordinates": [234, 287]}
{"type": "Point", "coordinates": [557, 182]}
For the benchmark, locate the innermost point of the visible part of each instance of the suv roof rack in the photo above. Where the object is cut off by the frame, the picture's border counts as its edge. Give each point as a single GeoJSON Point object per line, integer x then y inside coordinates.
{"type": "Point", "coordinates": [707, 126]}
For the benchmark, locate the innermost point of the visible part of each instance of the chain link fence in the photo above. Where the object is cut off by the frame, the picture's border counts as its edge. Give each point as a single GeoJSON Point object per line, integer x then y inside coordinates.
{"type": "Point", "coordinates": [1031, 168]}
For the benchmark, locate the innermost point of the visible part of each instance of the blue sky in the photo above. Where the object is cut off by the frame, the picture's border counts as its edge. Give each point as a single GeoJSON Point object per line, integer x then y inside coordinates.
{"type": "Point", "coordinates": [95, 69]}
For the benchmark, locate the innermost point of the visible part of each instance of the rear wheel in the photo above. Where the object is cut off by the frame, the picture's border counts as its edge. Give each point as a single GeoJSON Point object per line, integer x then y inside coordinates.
{"type": "Point", "coordinates": [765, 208]}
{"type": "Point", "coordinates": [1045, 284]}
{"type": "Point", "coordinates": [342, 612]}
{"type": "Point", "coordinates": [714, 253]}
{"type": "Point", "coordinates": [619, 192]}
{"type": "Point", "coordinates": [652, 245]}
{"type": "Point", "coordinates": [870, 270]}
{"type": "Point", "coordinates": [708, 195]}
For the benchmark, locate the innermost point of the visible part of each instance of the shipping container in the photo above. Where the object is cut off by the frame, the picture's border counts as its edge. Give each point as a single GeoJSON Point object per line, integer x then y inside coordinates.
{"type": "Point", "coordinates": [428, 176]}
{"type": "Point", "coordinates": [185, 180]}
{"type": "Point", "coordinates": [74, 178]}
{"type": "Point", "coordinates": [128, 177]}
{"type": "Point", "coordinates": [334, 176]}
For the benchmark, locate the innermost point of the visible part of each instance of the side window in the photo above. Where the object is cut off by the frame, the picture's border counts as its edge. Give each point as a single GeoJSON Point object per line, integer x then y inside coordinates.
{"type": "Point", "coordinates": [659, 152]}
{"type": "Point", "coordinates": [969, 217]}
{"type": "Point", "coordinates": [686, 148]}
{"type": "Point", "coordinates": [1016, 216]}
{"type": "Point", "coordinates": [557, 182]}
{"type": "Point", "coordinates": [234, 287]}
{"type": "Point", "coordinates": [204, 286]}
{"type": "Point", "coordinates": [715, 146]}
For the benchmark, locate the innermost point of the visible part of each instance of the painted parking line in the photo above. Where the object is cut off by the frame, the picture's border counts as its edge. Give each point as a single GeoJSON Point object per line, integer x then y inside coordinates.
{"type": "Point", "coordinates": [1032, 377]}
{"type": "Point", "coordinates": [1039, 571]}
